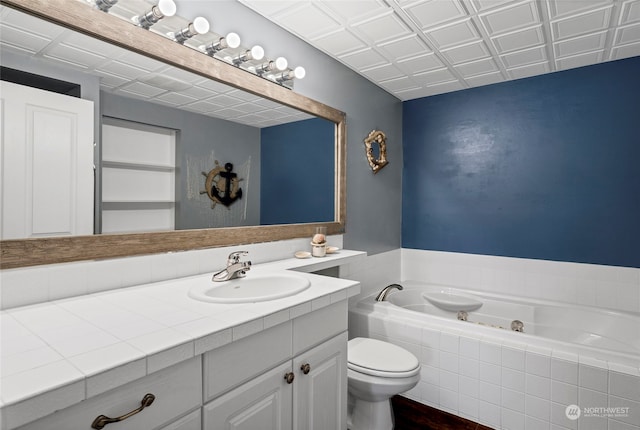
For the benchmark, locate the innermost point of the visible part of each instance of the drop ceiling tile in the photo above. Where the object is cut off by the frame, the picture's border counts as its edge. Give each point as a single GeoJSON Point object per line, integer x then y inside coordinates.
{"type": "Point", "coordinates": [202, 107]}
{"type": "Point", "coordinates": [529, 70]}
{"type": "Point", "coordinates": [381, 28]}
{"type": "Point", "coordinates": [36, 26]}
{"type": "Point", "coordinates": [92, 45]}
{"type": "Point", "coordinates": [122, 69]}
{"type": "Point", "coordinates": [383, 73]}
{"type": "Point", "coordinates": [421, 63]}
{"type": "Point", "coordinates": [198, 93]}
{"type": "Point", "coordinates": [579, 60]}
{"type": "Point", "coordinates": [520, 39]}
{"type": "Point", "coordinates": [175, 99]}
{"type": "Point", "coordinates": [446, 87]}
{"type": "Point", "coordinates": [142, 89]}
{"type": "Point", "coordinates": [268, 7]}
{"type": "Point", "coordinates": [364, 59]}
{"type": "Point", "coordinates": [625, 51]}
{"type": "Point", "coordinates": [456, 33]}
{"type": "Point", "coordinates": [579, 45]}
{"type": "Point", "coordinates": [225, 100]}
{"type": "Point", "coordinates": [627, 34]}
{"type": "Point", "coordinates": [466, 53]}
{"type": "Point", "coordinates": [510, 18]}
{"type": "Point", "coordinates": [308, 21]}
{"type": "Point", "coordinates": [559, 8]}
{"type": "Point", "coordinates": [630, 12]}
{"type": "Point", "coordinates": [214, 86]}
{"type": "Point", "coordinates": [75, 56]}
{"type": "Point", "coordinates": [434, 77]}
{"type": "Point", "coordinates": [480, 67]}
{"type": "Point", "coordinates": [431, 13]}
{"type": "Point", "coordinates": [141, 62]}
{"type": "Point", "coordinates": [488, 79]}
{"type": "Point", "coordinates": [339, 42]}
{"type": "Point", "coordinates": [407, 47]}
{"type": "Point", "coordinates": [399, 84]}
{"type": "Point", "coordinates": [581, 24]}
{"type": "Point", "coordinates": [109, 80]}
{"type": "Point", "coordinates": [354, 10]}
{"type": "Point", "coordinates": [227, 113]}
{"type": "Point", "coordinates": [482, 5]}
{"type": "Point", "coordinates": [22, 40]}
{"type": "Point", "coordinates": [522, 58]}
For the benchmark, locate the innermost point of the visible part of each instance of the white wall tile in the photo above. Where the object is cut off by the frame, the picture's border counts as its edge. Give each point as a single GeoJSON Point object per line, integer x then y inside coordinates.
{"type": "Point", "coordinates": [539, 408]}
{"type": "Point", "coordinates": [623, 385]}
{"type": "Point", "coordinates": [566, 394]}
{"type": "Point", "coordinates": [565, 371]}
{"type": "Point", "coordinates": [593, 378]}
{"type": "Point", "coordinates": [512, 419]}
{"type": "Point", "coordinates": [538, 364]}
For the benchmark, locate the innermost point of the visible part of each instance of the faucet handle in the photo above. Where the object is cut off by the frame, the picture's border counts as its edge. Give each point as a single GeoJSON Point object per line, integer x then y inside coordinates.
{"type": "Point", "coordinates": [234, 257]}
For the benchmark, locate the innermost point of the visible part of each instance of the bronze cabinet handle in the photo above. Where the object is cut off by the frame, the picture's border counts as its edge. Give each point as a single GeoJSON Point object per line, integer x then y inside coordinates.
{"type": "Point", "coordinates": [289, 376]}
{"type": "Point", "coordinates": [103, 420]}
{"type": "Point", "coordinates": [306, 368]}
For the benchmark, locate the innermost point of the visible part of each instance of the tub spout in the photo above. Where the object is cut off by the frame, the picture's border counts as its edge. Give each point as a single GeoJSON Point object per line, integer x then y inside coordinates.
{"type": "Point", "coordinates": [517, 325]}
{"type": "Point", "coordinates": [382, 296]}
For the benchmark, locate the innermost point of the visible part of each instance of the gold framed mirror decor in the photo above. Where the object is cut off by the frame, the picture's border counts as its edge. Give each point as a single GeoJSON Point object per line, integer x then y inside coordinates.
{"type": "Point", "coordinates": [81, 18]}
{"type": "Point", "coordinates": [376, 150]}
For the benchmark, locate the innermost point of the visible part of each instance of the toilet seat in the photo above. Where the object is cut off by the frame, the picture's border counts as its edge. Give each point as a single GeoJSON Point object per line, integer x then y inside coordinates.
{"type": "Point", "coordinates": [383, 359]}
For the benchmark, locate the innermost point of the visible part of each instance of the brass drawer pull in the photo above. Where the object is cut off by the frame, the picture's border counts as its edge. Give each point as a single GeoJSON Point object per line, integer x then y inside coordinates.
{"type": "Point", "coordinates": [102, 420]}
{"type": "Point", "coordinates": [289, 376]}
{"type": "Point", "coordinates": [306, 368]}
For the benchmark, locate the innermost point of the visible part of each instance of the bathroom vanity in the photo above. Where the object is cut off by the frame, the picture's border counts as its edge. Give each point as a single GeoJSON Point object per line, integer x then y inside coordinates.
{"type": "Point", "coordinates": [278, 364]}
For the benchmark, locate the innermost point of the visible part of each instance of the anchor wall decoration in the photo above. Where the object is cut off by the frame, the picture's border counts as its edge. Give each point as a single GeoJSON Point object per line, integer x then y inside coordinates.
{"type": "Point", "coordinates": [222, 185]}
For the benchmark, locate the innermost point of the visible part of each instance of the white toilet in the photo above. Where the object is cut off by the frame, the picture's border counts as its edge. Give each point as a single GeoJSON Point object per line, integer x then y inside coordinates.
{"type": "Point", "coordinates": [376, 371]}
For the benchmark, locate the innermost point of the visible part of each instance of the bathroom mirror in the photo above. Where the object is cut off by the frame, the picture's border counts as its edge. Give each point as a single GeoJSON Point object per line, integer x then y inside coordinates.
{"type": "Point", "coordinates": [117, 32]}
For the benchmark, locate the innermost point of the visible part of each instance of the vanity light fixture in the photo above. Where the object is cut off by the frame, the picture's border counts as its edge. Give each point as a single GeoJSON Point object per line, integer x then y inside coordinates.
{"type": "Point", "coordinates": [278, 65]}
{"type": "Point", "coordinates": [288, 75]}
{"type": "Point", "coordinates": [103, 5]}
{"type": "Point", "coordinates": [156, 13]}
{"type": "Point", "coordinates": [255, 53]}
{"type": "Point", "coordinates": [198, 26]}
{"type": "Point", "coordinates": [231, 40]}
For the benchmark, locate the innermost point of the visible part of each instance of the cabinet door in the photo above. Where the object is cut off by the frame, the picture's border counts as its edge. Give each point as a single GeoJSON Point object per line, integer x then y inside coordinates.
{"type": "Point", "coordinates": [193, 421]}
{"type": "Point", "coordinates": [264, 403]}
{"type": "Point", "coordinates": [320, 396]}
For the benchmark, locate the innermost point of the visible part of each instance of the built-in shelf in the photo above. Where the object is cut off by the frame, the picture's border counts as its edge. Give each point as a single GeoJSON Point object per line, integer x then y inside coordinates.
{"type": "Point", "coordinates": [116, 164]}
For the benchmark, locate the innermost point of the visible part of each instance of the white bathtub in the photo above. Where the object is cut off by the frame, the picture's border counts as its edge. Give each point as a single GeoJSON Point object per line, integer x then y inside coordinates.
{"type": "Point", "coordinates": [567, 355]}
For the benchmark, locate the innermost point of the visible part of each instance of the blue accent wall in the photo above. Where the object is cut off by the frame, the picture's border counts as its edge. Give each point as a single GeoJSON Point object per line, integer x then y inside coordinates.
{"type": "Point", "coordinates": [546, 167]}
{"type": "Point", "coordinates": [297, 165]}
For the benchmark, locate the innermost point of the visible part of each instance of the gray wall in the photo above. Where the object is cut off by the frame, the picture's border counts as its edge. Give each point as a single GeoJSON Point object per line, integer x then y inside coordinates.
{"type": "Point", "coordinates": [373, 201]}
{"type": "Point", "coordinates": [201, 141]}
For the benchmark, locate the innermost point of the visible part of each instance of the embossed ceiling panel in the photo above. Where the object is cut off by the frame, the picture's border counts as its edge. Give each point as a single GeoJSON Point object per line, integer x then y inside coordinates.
{"type": "Point", "coordinates": [417, 48]}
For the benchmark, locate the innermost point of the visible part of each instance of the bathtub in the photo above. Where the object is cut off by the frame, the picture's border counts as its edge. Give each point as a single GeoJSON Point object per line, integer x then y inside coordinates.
{"type": "Point", "coordinates": [484, 371]}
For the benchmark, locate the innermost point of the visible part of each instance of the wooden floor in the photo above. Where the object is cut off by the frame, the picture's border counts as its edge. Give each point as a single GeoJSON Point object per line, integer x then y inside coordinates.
{"type": "Point", "coordinates": [410, 415]}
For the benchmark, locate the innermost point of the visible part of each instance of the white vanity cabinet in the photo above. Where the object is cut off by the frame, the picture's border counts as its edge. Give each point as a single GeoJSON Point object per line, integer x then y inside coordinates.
{"type": "Point", "coordinates": [304, 387]}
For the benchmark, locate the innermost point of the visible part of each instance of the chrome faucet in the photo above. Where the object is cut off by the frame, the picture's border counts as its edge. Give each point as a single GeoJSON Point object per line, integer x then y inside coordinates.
{"type": "Point", "coordinates": [385, 291]}
{"type": "Point", "coordinates": [235, 268]}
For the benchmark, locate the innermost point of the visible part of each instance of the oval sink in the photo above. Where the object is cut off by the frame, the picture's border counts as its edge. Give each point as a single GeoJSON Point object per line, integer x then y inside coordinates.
{"type": "Point", "coordinates": [253, 288]}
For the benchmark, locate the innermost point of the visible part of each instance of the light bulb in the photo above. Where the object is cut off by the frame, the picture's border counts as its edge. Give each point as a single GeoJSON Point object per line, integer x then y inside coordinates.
{"type": "Point", "coordinates": [299, 72]}
{"type": "Point", "coordinates": [167, 7]}
{"type": "Point", "coordinates": [257, 53]}
{"type": "Point", "coordinates": [201, 25]}
{"type": "Point", "coordinates": [281, 63]}
{"type": "Point", "coordinates": [233, 40]}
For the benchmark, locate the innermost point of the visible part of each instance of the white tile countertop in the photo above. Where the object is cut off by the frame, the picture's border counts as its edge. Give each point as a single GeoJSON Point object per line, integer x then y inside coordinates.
{"type": "Point", "coordinates": [59, 353]}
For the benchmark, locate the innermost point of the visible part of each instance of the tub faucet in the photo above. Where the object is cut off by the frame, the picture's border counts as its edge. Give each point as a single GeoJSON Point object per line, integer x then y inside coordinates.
{"type": "Point", "coordinates": [235, 268]}
{"type": "Point", "coordinates": [382, 296]}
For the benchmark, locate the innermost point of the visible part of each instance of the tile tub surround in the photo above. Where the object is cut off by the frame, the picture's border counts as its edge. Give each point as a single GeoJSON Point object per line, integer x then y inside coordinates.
{"type": "Point", "coordinates": [486, 377]}
{"type": "Point", "coordinates": [59, 353]}
{"type": "Point", "coordinates": [584, 284]}
{"type": "Point", "coordinates": [38, 284]}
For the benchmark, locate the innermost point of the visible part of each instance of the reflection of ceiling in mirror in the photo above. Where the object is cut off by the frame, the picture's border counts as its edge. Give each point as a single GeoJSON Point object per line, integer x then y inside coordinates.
{"type": "Point", "coordinates": [132, 75]}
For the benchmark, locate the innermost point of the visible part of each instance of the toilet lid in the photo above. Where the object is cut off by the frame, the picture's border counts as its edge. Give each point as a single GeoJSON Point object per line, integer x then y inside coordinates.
{"type": "Point", "coordinates": [378, 358]}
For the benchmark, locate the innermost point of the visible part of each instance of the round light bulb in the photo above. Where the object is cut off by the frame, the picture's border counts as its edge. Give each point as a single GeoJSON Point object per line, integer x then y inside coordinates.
{"type": "Point", "coordinates": [257, 53]}
{"type": "Point", "coordinates": [167, 7]}
{"type": "Point", "coordinates": [299, 72]}
{"type": "Point", "coordinates": [201, 25]}
{"type": "Point", "coordinates": [281, 63]}
{"type": "Point", "coordinates": [233, 40]}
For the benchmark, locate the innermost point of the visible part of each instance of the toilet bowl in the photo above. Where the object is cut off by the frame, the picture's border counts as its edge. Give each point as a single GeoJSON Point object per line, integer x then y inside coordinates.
{"type": "Point", "coordinates": [376, 371]}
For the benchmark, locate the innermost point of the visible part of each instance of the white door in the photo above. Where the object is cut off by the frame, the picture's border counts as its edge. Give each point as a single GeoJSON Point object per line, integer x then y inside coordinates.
{"type": "Point", "coordinates": [320, 389]}
{"type": "Point", "coordinates": [46, 171]}
{"type": "Point", "coordinates": [264, 403]}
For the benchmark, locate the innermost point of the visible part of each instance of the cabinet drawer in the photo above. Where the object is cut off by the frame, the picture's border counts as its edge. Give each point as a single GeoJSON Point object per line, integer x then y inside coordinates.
{"type": "Point", "coordinates": [178, 389]}
{"type": "Point", "coordinates": [233, 364]}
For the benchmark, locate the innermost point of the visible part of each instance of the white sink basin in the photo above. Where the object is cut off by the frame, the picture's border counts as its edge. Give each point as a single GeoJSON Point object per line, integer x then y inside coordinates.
{"type": "Point", "coordinates": [252, 288]}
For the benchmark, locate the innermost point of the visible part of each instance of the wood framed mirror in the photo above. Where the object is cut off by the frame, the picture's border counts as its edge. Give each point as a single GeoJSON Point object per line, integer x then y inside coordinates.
{"type": "Point", "coordinates": [108, 28]}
